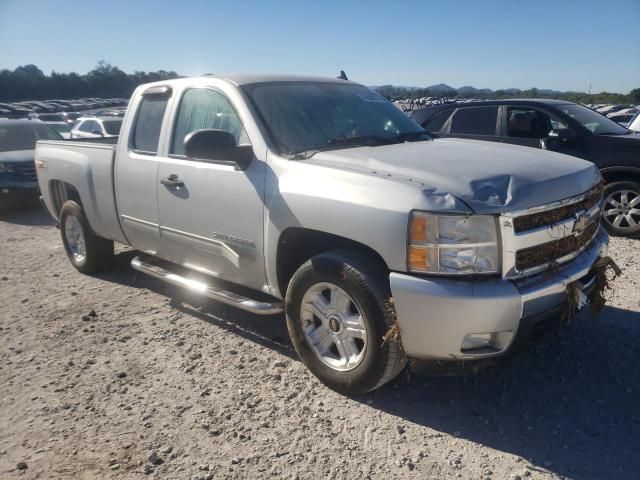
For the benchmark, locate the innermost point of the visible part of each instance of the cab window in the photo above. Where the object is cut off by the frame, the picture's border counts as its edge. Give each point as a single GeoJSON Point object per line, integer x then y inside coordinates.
{"type": "Point", "coordinates": [205, 108]}
{"type": "Point", "coordinates": [146, 131]}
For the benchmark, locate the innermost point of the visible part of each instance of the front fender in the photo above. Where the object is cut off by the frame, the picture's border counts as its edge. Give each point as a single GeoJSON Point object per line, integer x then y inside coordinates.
{"type": "Point", "coordinates": [367, 209]}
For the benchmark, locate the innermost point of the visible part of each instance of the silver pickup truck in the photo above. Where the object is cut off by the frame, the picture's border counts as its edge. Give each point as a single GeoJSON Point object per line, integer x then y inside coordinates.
{"type": "Point", "coordinates": [319, 198]}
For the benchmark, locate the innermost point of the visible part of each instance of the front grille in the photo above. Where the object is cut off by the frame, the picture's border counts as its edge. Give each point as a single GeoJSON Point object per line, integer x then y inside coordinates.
{"type": "Point", "coordinates": [550, 252]}
{"type": "Point", "coordinates": [555, 215]}
{"type": "Point", "coordinates": [26, 169]}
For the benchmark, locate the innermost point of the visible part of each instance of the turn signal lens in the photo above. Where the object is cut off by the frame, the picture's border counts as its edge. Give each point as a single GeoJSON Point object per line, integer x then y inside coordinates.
{"type": "Point", "coordinates": [423, 259]}
{"type": "Point", "coordinates": [419, 228]}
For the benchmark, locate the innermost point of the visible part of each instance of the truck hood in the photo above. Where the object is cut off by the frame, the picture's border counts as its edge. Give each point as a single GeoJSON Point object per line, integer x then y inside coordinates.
{"type": "Point", "coordinates": [489, 177]}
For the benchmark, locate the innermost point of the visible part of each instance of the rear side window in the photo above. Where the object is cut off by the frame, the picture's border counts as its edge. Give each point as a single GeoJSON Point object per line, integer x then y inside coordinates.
{"type": "Point", "coordinates": [437, 123]}
{"type": "Point", "coordinates": [475, 121]}
{"type": "Point", "coordinates": [205, 108]}
{"type": "Point", "coordinates": [146, 131]}
{"type": "Point", "coordinates": [112, 127]}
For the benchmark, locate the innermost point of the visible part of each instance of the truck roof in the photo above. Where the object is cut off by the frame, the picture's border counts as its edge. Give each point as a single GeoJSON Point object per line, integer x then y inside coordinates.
{"type": "Point", "coordinates": [250, 79]}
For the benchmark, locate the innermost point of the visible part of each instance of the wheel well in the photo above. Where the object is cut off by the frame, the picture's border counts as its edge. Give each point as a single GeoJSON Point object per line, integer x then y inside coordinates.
{"type": "Point", "coordinates": [621, 176]}
{"type": "Point", "coordinates": [297, 245]}
{"type": "Point", "coordinates": [61, 192]}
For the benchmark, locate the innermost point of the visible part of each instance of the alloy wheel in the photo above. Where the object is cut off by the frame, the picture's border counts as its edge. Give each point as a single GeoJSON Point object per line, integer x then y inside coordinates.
{"type": "Point", "coordinates": [622, 209]}
{"type": "Point", "coordinates": [333, 326]}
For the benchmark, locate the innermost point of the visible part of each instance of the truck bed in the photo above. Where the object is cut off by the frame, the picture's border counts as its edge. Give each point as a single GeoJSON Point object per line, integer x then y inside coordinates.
{"type": "Point", "coordinates": [86, 164]}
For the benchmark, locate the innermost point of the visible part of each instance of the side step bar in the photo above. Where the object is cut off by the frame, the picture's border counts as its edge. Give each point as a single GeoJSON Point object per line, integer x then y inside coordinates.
{"type": "Point", "coordinates": [216, 293]}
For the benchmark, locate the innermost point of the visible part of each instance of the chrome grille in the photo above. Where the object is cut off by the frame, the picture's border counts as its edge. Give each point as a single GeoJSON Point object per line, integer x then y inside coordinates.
{"type": "Point", "coordinates": [553, 234]}
{"type": "Point", "coordinates": [532, 257]}
{"type": "Point", "coordinates": [554, 215]}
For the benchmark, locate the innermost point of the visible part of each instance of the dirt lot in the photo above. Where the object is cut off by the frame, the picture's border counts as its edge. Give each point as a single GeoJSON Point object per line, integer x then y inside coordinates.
{"type": "Point", "coordinates": [120, 376]}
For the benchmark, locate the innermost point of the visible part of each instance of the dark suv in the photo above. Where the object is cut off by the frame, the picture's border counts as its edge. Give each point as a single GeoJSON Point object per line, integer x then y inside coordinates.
{"type": "Point", "coordinates": [556, 125]}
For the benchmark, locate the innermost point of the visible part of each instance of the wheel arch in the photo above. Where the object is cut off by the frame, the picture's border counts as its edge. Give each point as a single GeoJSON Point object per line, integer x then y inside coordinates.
{"type": "Point", "coordinates": [296, 245]}
{"type": "Point", "coordinates": [620, 174]}
{"type": "Point", "coordinates": [61, 192]}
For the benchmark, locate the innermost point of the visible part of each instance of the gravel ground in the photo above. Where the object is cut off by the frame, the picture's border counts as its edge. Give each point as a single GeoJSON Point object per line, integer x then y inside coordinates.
{"type": "Point", "coordinates": [121, 376]}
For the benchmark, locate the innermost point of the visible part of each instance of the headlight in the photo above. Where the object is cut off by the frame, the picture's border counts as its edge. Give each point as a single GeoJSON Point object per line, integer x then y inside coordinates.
{"type": "Point", "coordinates": [5, 168]}
{"type": "Point", "coordinates": [453, 244]}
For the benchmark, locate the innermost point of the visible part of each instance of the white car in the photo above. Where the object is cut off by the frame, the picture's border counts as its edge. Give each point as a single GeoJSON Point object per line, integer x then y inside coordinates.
{"type": "Point", "coordinates": [622, 118]}
{"type": "Point", "coordinates": [96, 127]}
{"type": "Point", "coordinates": [634, 124]}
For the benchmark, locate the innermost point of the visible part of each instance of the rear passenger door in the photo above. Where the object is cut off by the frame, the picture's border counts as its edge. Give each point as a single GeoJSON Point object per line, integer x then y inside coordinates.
{"type": "Point", "coordinates": [136, 178]}
{"type": "Point", "coordinates": [475, 123]}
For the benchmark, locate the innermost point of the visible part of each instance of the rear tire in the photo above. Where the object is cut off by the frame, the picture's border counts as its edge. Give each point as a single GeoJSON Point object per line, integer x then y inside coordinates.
{"type": "Point", "coordinates": [621, 216]}
{"type": "Point", "coordinates": [86, 251]}
{"type": "Point", "coordinates": [349, 356]}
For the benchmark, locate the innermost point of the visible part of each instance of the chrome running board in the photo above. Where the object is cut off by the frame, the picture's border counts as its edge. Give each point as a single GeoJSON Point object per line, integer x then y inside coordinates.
{"type": "Point", "coordinates": [215, 293]}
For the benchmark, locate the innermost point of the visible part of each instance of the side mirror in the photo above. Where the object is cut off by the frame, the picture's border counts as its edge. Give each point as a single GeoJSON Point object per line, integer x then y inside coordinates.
{"type": "Point", "coordinates": [558, 138]}
{"type": "Point", "coordinates": [97, 132]}
{"type": "Point", "coordinates": [219, 146]}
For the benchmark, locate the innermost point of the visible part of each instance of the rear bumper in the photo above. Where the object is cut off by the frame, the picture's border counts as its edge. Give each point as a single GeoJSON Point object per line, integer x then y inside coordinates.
{"type": "Point", "coordinates": [436, 314]}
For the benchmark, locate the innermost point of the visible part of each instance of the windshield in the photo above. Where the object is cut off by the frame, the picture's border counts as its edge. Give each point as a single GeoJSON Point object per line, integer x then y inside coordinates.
{"type": "Point", "coordinates": [23, 136]}
{"type": "Point", "coordinates": [311, 116]}
{"type": "Point", "coordinates": [61, 127]}
{"type": "Point", "coordinates": [595, 122]}
{"type": "Point", "coordinates": [112, 127]}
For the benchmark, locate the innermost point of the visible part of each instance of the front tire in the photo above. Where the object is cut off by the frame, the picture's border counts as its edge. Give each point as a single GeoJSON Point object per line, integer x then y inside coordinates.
{"type": "Point", "coordinates": [338, 310]}
{"type": "Point", "coordinates": [86, 251]}
{"type": "Point", "coordinates": [621, 214]}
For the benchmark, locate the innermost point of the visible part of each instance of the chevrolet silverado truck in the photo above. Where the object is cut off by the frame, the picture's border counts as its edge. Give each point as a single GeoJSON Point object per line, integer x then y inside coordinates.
{"type": "Point", "coordinates": [319, 198]}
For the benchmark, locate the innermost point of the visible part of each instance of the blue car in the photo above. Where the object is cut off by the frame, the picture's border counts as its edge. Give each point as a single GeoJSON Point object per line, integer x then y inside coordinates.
{"type": "Point", "coordinates": [18, 138]}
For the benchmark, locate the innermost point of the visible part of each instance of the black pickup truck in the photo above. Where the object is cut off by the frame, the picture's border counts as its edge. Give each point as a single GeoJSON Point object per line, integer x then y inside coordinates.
{"type": "Point", "coordinates": [557, 125]}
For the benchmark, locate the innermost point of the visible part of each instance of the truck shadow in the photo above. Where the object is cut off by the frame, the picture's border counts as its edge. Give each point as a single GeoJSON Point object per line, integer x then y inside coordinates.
{"type": "Point", "coordinates": [29, 213]}
{"type": "Point", "coordinates": [269, 331]}
{"type": "Point", "coordinates": [569, 405]}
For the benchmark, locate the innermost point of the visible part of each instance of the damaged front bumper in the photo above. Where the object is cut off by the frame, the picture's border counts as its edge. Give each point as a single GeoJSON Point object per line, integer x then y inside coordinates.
{"type": "Point", "coordinates": [451, 319]}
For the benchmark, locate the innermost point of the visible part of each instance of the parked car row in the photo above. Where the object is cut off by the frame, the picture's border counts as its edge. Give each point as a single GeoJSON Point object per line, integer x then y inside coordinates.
{"type": "Point", "coordinates": [24, 108]}
{"type": "Point", "coordinates": [560, 126]}
{"type": "Point", "coordinates": [621, 113]}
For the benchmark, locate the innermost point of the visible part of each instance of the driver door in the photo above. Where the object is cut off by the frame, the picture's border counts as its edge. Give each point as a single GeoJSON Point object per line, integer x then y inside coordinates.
{"type": "Point", "coordinates": [524, 125]}
{"type": "Point", "coordinates": [211, 214]}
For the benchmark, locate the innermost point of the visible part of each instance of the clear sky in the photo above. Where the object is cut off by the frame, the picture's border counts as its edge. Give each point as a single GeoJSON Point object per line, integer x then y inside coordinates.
{"type": "Point", "coordinates": [560, 44]}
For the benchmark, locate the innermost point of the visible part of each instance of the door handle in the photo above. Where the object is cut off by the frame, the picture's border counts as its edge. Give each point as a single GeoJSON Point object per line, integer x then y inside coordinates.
{"type": "Point", "coordinates": [172, 181]}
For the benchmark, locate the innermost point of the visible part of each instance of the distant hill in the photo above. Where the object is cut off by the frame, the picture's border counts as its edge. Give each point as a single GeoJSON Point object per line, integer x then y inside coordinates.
{"type": "Point", "coordinates": [466, 90]}
{"type": "Point", "coordinates": [395, 92]}
{"type": "Point", "coordinates": [441, 89]}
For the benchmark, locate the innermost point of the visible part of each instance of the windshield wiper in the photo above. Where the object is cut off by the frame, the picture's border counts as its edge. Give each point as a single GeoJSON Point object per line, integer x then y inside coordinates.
{"type": "Point", "coordinates": [360, 141]}
{"type": "Point", "coordinates": [412, 136]}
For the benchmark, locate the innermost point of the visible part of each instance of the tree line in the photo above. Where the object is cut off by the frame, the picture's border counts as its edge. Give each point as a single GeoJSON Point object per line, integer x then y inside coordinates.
{"type": "Point", "coordinates": [401, 93]}
{"type": "Point", "coordinates": [28, 82]}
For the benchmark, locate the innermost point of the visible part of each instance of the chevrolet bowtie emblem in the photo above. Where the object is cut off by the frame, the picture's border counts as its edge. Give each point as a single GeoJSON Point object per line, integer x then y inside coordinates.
{"type": "Point", "coordinates": [581, 221]}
